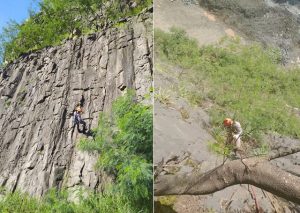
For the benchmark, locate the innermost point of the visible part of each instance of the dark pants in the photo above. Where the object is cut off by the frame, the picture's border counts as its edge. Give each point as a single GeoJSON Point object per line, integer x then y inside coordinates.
{"type": "Point", "coordinates": [76, 122]}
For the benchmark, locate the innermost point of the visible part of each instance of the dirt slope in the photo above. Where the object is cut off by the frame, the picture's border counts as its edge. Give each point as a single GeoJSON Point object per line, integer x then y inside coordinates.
{"type": "Point", "coordinates": [197, 22]}
{"type": "Point", "coordinates": [181, 130]}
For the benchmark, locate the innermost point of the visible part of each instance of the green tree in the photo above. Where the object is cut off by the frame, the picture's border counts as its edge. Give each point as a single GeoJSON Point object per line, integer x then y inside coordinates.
{"type": "Point", "coordinates": [7, 40]}
{"type": "Point", "coordinates": [58, 19]}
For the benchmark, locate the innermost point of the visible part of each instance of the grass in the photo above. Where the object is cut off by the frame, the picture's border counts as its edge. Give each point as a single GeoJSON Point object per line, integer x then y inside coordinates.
{"type": "Point", "coordinates": [168, 200]}
{"type": "Point", "coordinates": [165, 204]}
{"type": "Point", "coordinates": [163, 96]}
{"type": "Point", "coordinates": [245, 82]}
{"type": "Point", "coordinates": [55, 201]}
{"type": "Point", "coordinates": [7, 103]}
{"type": "Point", "coordinates": [184, 113]}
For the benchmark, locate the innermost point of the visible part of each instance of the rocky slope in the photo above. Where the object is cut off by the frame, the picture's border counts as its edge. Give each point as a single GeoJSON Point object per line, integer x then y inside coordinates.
{"type": "Point", "coordinates": [271, 22]}
{"type": "Point", "coordinates": [181, 132]}
{"type": "Point", "coordinates": [182, 138]}
{"type": "Point", "coordinates": [40, 90]}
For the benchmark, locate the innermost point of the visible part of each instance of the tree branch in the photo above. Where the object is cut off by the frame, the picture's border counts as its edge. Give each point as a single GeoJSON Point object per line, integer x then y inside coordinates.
{"type": "Point", "coordinates": [260, 173]}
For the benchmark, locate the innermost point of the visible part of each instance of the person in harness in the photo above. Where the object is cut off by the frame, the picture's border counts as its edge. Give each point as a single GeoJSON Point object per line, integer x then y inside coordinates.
{"type": "Point", "coordinates": [77, 120]}
{"type": "Point", "coordinates": [234, 132]}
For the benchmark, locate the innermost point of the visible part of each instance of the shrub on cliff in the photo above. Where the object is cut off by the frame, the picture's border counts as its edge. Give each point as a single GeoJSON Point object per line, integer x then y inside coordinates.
{"type": "Point", "coordinates": [124, 143]}
{"type": "Point", "coordinates": [60, 19]}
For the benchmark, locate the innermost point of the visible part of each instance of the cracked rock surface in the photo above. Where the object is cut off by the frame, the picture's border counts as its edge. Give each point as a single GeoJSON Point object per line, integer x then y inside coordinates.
{"type": "Point", "coordinates": [39, 91]}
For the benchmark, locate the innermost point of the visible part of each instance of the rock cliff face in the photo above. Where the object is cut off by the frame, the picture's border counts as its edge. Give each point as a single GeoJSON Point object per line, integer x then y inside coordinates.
{"type": "Point", "coordinates": [271, 22]}
{"type": "Point", "coordinates": [40, 90]}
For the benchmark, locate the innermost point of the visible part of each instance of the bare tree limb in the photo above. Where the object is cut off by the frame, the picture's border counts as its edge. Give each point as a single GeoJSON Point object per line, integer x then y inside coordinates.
{"type": "Point", "coordinates": [261, 173]}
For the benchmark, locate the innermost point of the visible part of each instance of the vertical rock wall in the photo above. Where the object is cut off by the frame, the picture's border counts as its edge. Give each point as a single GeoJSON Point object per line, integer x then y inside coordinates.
{"type": "Point", "coordinates": [39, 91]}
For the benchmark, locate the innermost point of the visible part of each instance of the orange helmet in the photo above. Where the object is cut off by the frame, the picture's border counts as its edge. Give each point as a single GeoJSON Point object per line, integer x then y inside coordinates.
{"type": "Point", "coordinates": [227, 122]}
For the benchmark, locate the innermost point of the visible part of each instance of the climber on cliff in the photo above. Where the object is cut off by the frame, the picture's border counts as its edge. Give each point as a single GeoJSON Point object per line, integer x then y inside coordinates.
{"type": "Point", "coordinates": [77, 120]}
{"type": "Point", "coordinates": [234, 132]}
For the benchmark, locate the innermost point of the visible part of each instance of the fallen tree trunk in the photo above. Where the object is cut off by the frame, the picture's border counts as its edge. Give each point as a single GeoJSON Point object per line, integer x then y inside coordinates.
{"type": "Point", "coordinates": [255, 171]}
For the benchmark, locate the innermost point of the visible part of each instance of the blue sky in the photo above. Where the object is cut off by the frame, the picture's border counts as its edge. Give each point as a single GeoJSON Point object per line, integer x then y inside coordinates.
{"type": "Point", "coordinates": [15, 10]}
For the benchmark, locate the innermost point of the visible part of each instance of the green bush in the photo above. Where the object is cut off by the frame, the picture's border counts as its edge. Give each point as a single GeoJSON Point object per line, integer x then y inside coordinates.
{"type": "Point", "coordinates": [124, 143]}
{"type": "Point", "coordinates": [57, 201]}
{"type": "Point", "coordinates": [246, 82]}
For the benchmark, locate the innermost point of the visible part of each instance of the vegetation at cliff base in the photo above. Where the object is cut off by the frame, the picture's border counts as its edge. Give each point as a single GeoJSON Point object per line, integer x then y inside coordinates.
{"type": "Point", "coordinates": [244, 81]}
{"type": "Point", "coordinates": [61, 19]}
{"type": "Point", "coordinates": [55, 201]}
